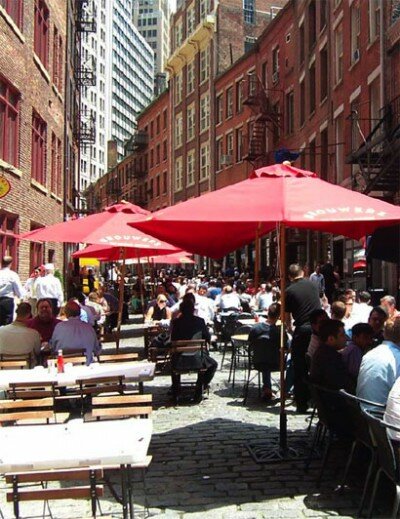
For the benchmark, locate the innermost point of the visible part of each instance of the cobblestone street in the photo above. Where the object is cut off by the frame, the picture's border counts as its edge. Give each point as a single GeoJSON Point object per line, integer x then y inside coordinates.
{"type": "Point", "coordinates": [202, 468]}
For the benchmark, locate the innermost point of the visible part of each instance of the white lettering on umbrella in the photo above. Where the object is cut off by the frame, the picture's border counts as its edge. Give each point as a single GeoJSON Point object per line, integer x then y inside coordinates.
{"type": "Point", "coordinates": [359, 213]}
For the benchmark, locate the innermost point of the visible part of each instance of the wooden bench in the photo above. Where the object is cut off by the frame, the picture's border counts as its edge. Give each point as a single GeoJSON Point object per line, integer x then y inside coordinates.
{"type": "Point", "coordinates": [91, 490]}
{"type": "Point", "coordinates": [33, 411]}
{"type": "Point", "coordinates": [118, 357]}
{"type": "Point", "coordinates": [121, 406]}
{"type": "Point", "coordinates": [12, 361]}
{"type": "Point", "coordinates": [30, 390]}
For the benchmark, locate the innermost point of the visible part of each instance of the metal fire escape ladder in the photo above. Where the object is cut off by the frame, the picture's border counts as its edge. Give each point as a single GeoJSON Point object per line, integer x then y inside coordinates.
{"type": "Point", "coordinates": [379, 156]}
{"type": "Point", "coordinates": [256, 98]}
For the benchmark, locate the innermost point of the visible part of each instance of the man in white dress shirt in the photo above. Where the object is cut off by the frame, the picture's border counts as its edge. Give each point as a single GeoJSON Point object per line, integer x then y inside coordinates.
{"type": "Point", "coordinates": [10, 287]}
{"type": "Point", "coordinates": [49, 287]}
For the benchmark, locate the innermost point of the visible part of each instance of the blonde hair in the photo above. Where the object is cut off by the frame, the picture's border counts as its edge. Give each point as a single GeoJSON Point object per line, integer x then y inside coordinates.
{"type": "Point", "coordinates": [391, 331]}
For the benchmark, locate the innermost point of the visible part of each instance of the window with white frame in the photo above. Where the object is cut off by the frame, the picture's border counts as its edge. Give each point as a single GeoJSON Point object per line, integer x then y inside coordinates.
{"type": "Point", "coordinates": [178, 130]}
{"type": "Point", "coordinates": [355, 32]}
{"type": "Point", "coordinates": [190, 20]}
{"type": "Point", "coordinates": [338, 54]}
{"type": "Point", "coordinates": [190, 121]}
{"type": "Point", "coordinates": [229, 145]}
{"type": "Point", "coordinates": [239, 144]}
{"type": "Point", "coordinates": [178, 88]}
{"type": "Point", "coordinates": [229, 102]}
{"type": "Point", "coordinates": [220, 151]}
{"type": "Point", "coordinates": [374, 19]}
{"type": "Point", "coordinates": [204, 112]}
{"type": "Point", "coordinates": [204, 64]}
{"type": "Point", "coordinates": [190, 167]}
{"type": "Point", "coordinates": [178, 174]}
{"type": "Point", "coordinates": [178, 34]}
{"type": "Point", "coordinates": [204, 161]}
{"type": "Point", "coordinates": [190, 77]}
{"type": "Point", "coordinates": [204, 8]}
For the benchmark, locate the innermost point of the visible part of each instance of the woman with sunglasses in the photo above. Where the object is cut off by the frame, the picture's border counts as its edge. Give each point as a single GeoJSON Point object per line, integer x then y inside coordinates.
{"type": "Point", "coordinates": [159, 311]}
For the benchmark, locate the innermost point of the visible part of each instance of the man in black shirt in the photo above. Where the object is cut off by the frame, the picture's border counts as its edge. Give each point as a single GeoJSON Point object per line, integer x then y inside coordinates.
{"type": "Point", "coordinates": [302, 298]}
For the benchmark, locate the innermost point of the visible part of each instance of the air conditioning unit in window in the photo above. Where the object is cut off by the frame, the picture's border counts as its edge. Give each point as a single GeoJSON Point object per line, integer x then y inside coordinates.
{"type": "Point", "coordinates": [226, 160]}
{"type": "Point", "coordinates": [275, 77]}
{"type": "Point", "coordinates": [356, 55]}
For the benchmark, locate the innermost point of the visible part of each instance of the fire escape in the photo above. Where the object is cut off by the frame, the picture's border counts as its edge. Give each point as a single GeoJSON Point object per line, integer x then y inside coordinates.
{"type": "Point", "coordinates": [378, 157]}
{"type": "Point", "coordinates": [137, 146]}
{"type": "Point", "coordinates": [265, 117]}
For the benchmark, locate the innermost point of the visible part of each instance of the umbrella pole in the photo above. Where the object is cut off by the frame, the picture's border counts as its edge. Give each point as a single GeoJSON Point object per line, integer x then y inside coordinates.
{"type": "Point", "coordinates": [121, 296]}
{"type": "Point", "coordinates": [282, 269]}
{"type": "Point", "coordinates": [141, 281]}
{"type": "Point", "coordinates": [257, 260]}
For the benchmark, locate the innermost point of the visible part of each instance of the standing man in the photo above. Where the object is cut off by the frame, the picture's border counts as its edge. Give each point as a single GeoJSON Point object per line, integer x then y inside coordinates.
{"type": "Point", "coordinates": [319, 280]}
{"type": "Point", "coordinates": [302, 298]}
{"type": "Point", "coordinates": [10, 287]}
{"type": "Point", "coordinates": [49, 287]}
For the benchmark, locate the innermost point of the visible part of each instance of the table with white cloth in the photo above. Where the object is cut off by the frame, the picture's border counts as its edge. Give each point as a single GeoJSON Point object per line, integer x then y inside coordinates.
{"type": "Point", "coordinates": [132, 371]}
{"type": "Point", "coordinates": [76, 444]}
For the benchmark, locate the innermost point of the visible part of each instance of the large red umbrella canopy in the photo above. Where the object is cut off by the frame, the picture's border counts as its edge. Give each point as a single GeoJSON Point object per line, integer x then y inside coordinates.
{"type": "Point", "coordinates": [107, 228]}
{"type": "Point", "coordinates": [107, 253]}
{"type": "Point", "coordinates": [221, 221]}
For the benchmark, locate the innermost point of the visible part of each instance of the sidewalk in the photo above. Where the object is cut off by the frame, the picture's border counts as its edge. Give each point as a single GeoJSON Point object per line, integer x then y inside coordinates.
{"type": "Point", "coordinates": [202, 468]}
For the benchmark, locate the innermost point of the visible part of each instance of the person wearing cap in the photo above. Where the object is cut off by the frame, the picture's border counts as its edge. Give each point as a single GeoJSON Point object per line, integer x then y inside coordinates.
{"type": "Point", "coordinates": [30, 288]}
{"type": "Point", "coordinates": [49, 287]}
{"type": "Point", "coordinates": [10, 287]}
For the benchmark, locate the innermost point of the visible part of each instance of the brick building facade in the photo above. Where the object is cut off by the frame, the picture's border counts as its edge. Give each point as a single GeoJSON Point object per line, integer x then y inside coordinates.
{"type": "Point", "coordinates": [32, 39]}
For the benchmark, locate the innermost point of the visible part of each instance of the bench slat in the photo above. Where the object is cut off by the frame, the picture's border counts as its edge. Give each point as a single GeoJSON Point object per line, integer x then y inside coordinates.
{"type": "Point", "coordinates": [56, 493]}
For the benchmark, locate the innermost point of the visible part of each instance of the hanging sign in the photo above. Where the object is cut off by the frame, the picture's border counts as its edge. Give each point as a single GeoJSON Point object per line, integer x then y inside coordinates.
{"type": "Point", "coordinates": [5, 186]}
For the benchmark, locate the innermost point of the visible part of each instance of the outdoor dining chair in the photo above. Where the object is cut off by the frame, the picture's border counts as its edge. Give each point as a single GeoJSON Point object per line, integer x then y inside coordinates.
{"type": "Point", "coordinates": [12, 361]}
{"type": "Point", "coordinates": [239, 356]}
{"type": "Point", "coordinates": [362, 437]}
{"type": "Point", "coordinates": [35, 411]}
{"type": "Point", "coordinates": [185, 350]}
{"type": "Point", "coordinates": [388, 462]}
{"type": "Point", "coordinates": [120, 406]}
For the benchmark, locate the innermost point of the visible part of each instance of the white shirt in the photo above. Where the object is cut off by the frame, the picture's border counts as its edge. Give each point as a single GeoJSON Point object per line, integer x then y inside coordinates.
{"type": "Point", "coordinates": [10, 284]}
{"type": "Point", "coordinates": [360, 313]}
{"type": "Point", "coordinates": [392, 412]}
{"type": "Point", "coordinates": [17, 339]}
{"type": "Point", "coordinates": [229, 300]}
{"type": "Point", "coordinates": [49, 286]}
{"type": "Point", "coordinates": [205, 308]}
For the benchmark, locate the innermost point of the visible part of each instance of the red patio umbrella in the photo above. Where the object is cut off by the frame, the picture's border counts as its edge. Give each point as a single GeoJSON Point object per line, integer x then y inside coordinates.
{"type": "Point", "coordinates": [107, 253]}
{"type": "Point", "coordinates": [107, 228]}
{"type": "Point", "coordinates": [273, 197]}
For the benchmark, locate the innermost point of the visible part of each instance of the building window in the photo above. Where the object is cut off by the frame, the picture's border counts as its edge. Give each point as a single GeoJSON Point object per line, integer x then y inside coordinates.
{"type": "Point", "coordinates": [323, 8]}
{"type": "Point", "coordinates": [204, 8]}
{"type": "Point", "coordinates": [41, 38]}
{"type": "Point", "coordinates": [165, 119]}
{"type": "Point", "coordinates": [38, 159]}
{"type": "Point", "coordinates": [229, 147]}
{"type": "Point", "coordinates": [324, 164]}
{"type": "Point", "coordinates": [190, 77]}
{"type": "Point", "coordinates": [190, 20]}
{"type": "Point", "coordinates": [178, 174]}
{"type": "Point", "coordinates": [190, 122]}
{"type": "Point", "coordinates": [312, 25]}
{"type": "Point", "coordinates": [157, 185]}
{"type": "Point", "coordinates": [239, 145]}
{"type": "Point", "coordinates": [56, 164]}
{"type": "Point", "coordinates": [178, 88]}
{"type": "Point", "coordinates": [323, 60]}
{"type": "Point", "coordinates": [158, 125]}
{"type": "Point", "coordinates": [290, 113]}
{"type": "Point", "coordinates": [165, 183]}
{"type": "Point", "coordinates": [9, 123]}
{"type": "Point", "coordinates": [302, 103]}
{"type": "Point", "coordinates": [311, 78]}
{"type": "Point", "coordinates": [275, 65]}
{"type": "Point", "coordinates": [178, 130]}
{"type": "Point", "coordinates": [238, 88]}
{"type": "Point", "coordinates": [249, 11]}
{"type": "Point", "coordinates": [178, 34]}
{"type": "Point", "coordinates": [58, 60]}
{"type": "Point", "coordinates": [220, 108]}
{"type": "Point", "coordinates": [302, 43]}
{"type": "Point", "coordinates": [204, 112]}
{"type": "Point", "coordinates": [312, 155]}
{"type": "Point", "coordinates": [338, 54]}
{"type": "Point", "coordinates": [355, 32]}
{"type": "Point", "coordinates": [220, 151]}
{"type": "Point", "coordinates": [165, 150]}
{"type": "Point", "coordinates": [229, 102]}
{"type": "Point", "coordinates": [339, 148]}
{"type": "Point", "coordinates": [158, 154]}
{"type": "Point", "coordinates": [14, 8]}
{"type": "Point", "coordinates": [190, 167]}
{"type": "Point", "coordinates": [394, 11]}
{"type": "Point", "coordinates": [204, 64]}
{"type": "Point", "coordinates": [8, 243]}
{"type": "Point", "coordinates": [374, 19]}
{"type": "Point", "coordinates": [204, 161]}
{"type": "Point", "coordinates": [151, 158]}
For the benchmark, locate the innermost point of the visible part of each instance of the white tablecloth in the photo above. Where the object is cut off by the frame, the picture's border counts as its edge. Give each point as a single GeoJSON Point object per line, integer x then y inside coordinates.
{"type": "Point", "coordinates": [42, 447]}
{"type": "Point", "coordinates": [133, 372]}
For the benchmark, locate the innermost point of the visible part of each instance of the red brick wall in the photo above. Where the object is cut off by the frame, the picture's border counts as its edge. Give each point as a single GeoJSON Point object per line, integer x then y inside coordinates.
{"type": "Point", "coordinates": [33, 204]}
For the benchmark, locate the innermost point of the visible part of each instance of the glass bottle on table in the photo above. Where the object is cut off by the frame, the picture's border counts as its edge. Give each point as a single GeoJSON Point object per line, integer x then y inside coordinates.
{"type": "Point", "coordinates": [60, 362]}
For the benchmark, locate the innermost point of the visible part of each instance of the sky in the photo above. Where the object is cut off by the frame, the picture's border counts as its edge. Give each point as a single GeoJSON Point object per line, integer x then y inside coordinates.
{"type": "Point", "coordinates": [172, 4]}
